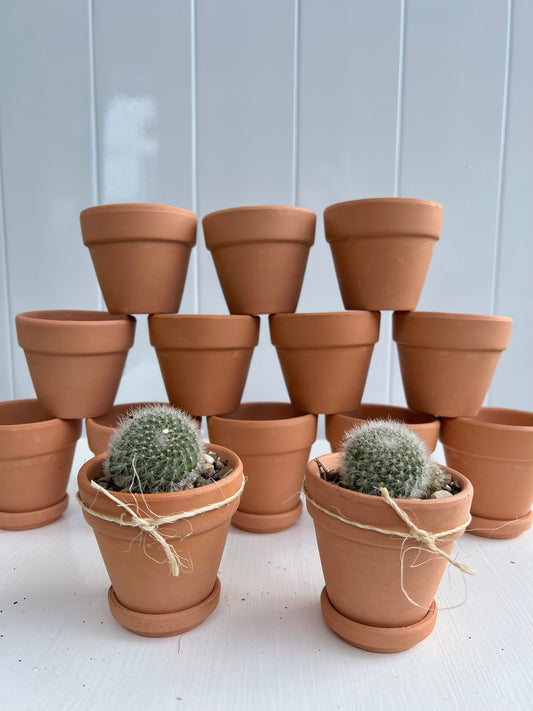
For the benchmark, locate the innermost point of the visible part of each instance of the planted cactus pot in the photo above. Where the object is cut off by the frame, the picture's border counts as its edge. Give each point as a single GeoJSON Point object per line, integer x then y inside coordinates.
{"type": "Point", "coordinates": [494, 450]}
{"type": "Point", "coordinates": [273, 440]}
{"type": "Point", "coordinates": [147, 246]}
{"type": "Point", "coordinates": [144, 596]}
{"type": "Point", "coordinates": [260, 254]}
{"type": "Point", "coordinates": [204, 359]}
{"type": "Point", "coordinates": [36, 452]}
{"type": "Point", "coordinates": [100, 429]}
{"type": "Point", "coordinates": [75, 358]}
{"type": "Point", "coordinates": [381, 249]}
{"type": "Point", "coordinates": [363, 601]}
{"type": "Point", "coordinates": [447, 360]}
{"type": "Point", "coordinates": [425, 426]}
{"type": "Point", "coordinates": [325, 357]}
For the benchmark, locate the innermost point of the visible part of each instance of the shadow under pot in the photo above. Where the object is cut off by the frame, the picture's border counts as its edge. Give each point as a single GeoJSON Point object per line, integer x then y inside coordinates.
{"type": "Point", "coordinates": [204, 360]}
{"type": "Point", "coordinates": [273, 440]}
{"type": "Point", "coordinates": [260, 254]}
{"type": "Point", "coordinates": [425, 426]}
{"type": "Point", "coordinates": [494, 450]}
{"type": "Point", "coordinates": [75, 358]}
{"type": "Point", "coordinates": [140, 254]}
{"type": "Point", "coordinates": [145, 596]}
{"type": "Point", "coordinates": [325, 357]}
{"type": "Point", "coordinates": [36, 453]}
{"type": "Point", "coordinates": [447, 360]}
{"type": "Point", "coordinates": [382, 248]}
{"type": "Point", "coordinates": [100, 429]}
{"type": "Point", "coordinates": [380, 588]}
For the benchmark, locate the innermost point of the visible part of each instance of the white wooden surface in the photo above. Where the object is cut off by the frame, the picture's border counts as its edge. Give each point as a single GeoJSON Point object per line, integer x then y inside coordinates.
{"type": "Point", "coordinates": [266, 646]}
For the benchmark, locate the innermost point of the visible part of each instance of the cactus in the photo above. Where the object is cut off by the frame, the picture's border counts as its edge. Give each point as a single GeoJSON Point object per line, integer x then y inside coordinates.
{"type": "Point", "coordinates": [385, 453]}
{"type": "Point", "coordinates": [155, 449]}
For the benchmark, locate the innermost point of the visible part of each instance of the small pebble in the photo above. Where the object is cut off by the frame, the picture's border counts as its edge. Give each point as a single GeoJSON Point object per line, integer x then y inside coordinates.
{"type": "Point", "coordinates": [442, 494]}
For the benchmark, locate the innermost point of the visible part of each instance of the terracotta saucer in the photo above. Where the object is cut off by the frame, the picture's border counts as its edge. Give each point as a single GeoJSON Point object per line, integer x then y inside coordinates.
{"type": "Point", "coordinates": [25, 520]}
{"type": "Point", "coordinates": [166, 624]}
{"type": "Point", "coordinates": [492, 528]}
{"type": "Point", "coordinates": [266, 523]}
{"type": "Point", "coordinates": [376, 639]}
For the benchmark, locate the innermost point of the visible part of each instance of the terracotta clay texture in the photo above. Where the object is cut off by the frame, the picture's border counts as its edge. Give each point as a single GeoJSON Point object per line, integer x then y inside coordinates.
{"type": "Point", "coordinates": [100, 429]}
{"type": "Point", "coordinates": [36, 452]}
{"type": "Point", "coordinates": [382, 248]}
{"type": "Point", "coordinates": [204, 360]}
{"type": "Point", "coordinates": [260, 255]}
{"type": "Point", "coordinates": [325, 357]}
{"type": "Point", "coordinates": [425, 426]}
{"type": "Point", "coordinates": [140, 254]}
{"type": "Point", "coordinates": [495, 451]}
{"type": "Point", "coordinates": [75, 358]}
{"type": "Point", "coordinates": [145, 597]}
{"type": "Point", "coordinates": [447, 360]}
{"type": "Point", "coordinates": [363, 600]}
{"type": "Point", "coordinates": [273, 440]}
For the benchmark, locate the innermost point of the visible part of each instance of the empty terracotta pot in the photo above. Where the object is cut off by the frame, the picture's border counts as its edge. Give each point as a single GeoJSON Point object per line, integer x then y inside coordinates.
{"type": "Point", "coordinates": [144, 596]}
{"type": "Point", "coordinates": [325, 357]}
{"type": "Point", "coordinates": [260, 255]}
{"type": "Point", "coordinates": [140, 254]}
{"type": "Point", "coordinates": [100, 429]}
{"type": "Point", "coordinates": [204, 360]}
{"type": "Point", "coordinates": [75, 358]}
{"type": "Point", "coordinates": [425, 426]}
{"type": "Point", "coordinates": [494, 450]}
{"type": "Point", "coordinates": [36, 452]}
{"type": "Point", "coordinates": [447, 360]}
{"type": "Point", "coordinates": [381, 249]}
{"type": "Point", "coordinates": [363, 601]}
{"type": "Point", "coordinates": [273, 440]}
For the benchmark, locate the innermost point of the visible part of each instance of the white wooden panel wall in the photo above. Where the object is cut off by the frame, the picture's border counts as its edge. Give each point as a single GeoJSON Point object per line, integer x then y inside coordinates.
{"type": "Point", "coordinates": [210, 105]}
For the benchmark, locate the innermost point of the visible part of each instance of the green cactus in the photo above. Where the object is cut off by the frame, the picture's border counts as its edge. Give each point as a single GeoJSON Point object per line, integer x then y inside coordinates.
{"type": "Point", "coordinates": [155, 449]}
{"type": "Point", "coordinates": [385, 453]}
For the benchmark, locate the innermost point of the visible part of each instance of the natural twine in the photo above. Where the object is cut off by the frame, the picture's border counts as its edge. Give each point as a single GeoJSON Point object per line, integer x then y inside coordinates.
{"type": "Point", "coordinates": [150, 524]}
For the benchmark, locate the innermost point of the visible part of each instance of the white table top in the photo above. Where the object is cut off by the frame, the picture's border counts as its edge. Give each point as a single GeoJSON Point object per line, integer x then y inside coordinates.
{"type": "Point", "coordinates": [266, 646]}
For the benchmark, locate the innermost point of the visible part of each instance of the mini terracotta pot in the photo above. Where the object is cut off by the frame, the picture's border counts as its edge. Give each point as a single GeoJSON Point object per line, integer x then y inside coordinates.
{"type": "Point", "coordinates": [273, 440]}
{"type": "Point", "coordinates": [495, 451]}
{"type": "Point", "coordinates": [325, 357]}
{"type": "Point", "coordinates": [75, 358]}
{"type": "Point", "coordinates": [363, 601]}
{"type": "Point", "coordinates": [381, 249]}
{"type": "Point", "coordinates": [447, 360]}
{"type": "Point", "coordinates": [36, 452]}
{"type": "Point", "coordinates": [100, 429]}
{"type": "Point", "coordinates": [144, 596]}
{"type": "Point", "coordinates": [260, 255]}
{"type": "Point", "coordinates": [204, 360]}
{"type": "Point", "coordinates": [140, 254]}
{"type": "Point", "coordinates": [425, 426]}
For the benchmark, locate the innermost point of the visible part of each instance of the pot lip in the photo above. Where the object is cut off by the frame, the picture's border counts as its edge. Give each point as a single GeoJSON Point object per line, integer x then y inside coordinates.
{"type": "Point", "coordinates": [449, 316]}
{"type": "Point", "coordinates": [296, 419]}
{"type": "Point", "coordinates": [425, 419]}
{"type": "Point", "coordinates": [136, 207]}
{"type": "Point", "coordinates": [50, 421]}
{"type": "Point", "coordinates": [338, 315]}
{"type": "Point", "coordinates": [466, 488]}
{"type": "Point", "coordinates": [383, 200]}
{"type": "Point", "coordinates": [204, 317]}
{"type": "Point", "coordinates": [259, 208]}
{"type": "Point", "coordinates": [85, 318]}
{"type": "Point", "coordinates": [474, 423]}
{"type": "Point", "coordinates": [345, 329]}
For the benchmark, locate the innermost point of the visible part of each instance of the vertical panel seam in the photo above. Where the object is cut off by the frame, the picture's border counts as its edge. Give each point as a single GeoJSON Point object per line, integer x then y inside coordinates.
{"type": "Point", "coordinates": [7, 291]}
{"type": "Point", "coordinates": [195, 262]}
{"type": "Point", "coordinates": [295, 102]}
{"type": "Point", "coordinates": [95, 177]}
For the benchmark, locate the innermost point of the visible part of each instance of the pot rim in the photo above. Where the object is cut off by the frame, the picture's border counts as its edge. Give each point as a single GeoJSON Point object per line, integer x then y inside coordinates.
{"type": "Point", "coordinates": [423, 418]}
{"type": "Point", "coordinates": [259, 208]}
{"type": "Point", "coordinates": [291, 330]}
{"type": "Point", "coordinates": [387, 200]}
{"type": "Point", "coordinates": [298, 418]}
{"type": "Point", "coordinates": [86, 318]}
{"type": "Point", "coordinates": [136, 207]}
{"type": "Point", "coordinates": [444, 315]}
{"type": "Point", "coordinates": [474, 422]}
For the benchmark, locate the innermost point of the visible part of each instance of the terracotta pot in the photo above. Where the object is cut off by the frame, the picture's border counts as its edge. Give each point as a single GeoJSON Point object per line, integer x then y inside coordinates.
{"type": "Point", "coordinates": [425, 426]}
{"type": "Point", "coordinates": [325, 357]}
{"type": "Point", "coordinates": [144, 596]}
{"type": "Point", "coordinates": [495, 451]}
{"type": "Point", "coordinates": [100, 429]}
{"type": "Point", "coordinates": [260, 255]}
{"type": "Point", "coordinates": [140, 254]}
{"type": "Point", "coordinates": [447, 360]}
{"type": "Point", "coordinates": [382, 249]}
{"type": "Point", "coordinates": [363, 601]}
{"type": "Point", "coordinates": [75, 358]}
{"type": "Point", "coordinates": [204, 360]}
{"type": "Point", "coordinates": [36, 452]}
{"type": "Point", "coordinates": [273, 441]}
